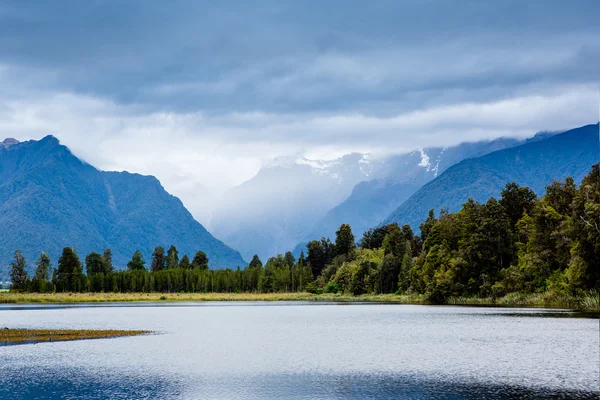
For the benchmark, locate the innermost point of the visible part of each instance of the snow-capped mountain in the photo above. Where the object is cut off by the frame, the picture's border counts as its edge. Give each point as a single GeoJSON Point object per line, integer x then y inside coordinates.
{"type": "Point", "coordinates": [271, 212]}
{"type": "Point", "coordinates": [396, 179]}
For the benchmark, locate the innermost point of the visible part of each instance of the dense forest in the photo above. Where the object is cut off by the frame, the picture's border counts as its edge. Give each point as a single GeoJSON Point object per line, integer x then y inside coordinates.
{"type": "Point", "coordinates": [517, 243]}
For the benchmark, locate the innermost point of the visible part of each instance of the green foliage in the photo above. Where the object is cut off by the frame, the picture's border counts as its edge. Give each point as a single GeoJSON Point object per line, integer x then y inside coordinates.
{"type": "Point", "coordinates": [320, 254]}
{"type": "Point", "coordinates": [94, 263]}
{"type": "Point", "coordinates": [158, 259]}
{"type": "Point", "coordinates": [137, 262]}
{"type": "Point", "coordinates": [185, 262]}
{"type": "Point", "coordinates": [18, 272]}
{"type": "Point", "coordinates": [108, 263]}
{"type": "Point", "coordinates": [344, 240]}
{"type": "Point", "coordinates": [69, 274]}
{"type": "Point", "coordinates": [172, 260]}
{"type": "Point", "coordinates": [200, 261]}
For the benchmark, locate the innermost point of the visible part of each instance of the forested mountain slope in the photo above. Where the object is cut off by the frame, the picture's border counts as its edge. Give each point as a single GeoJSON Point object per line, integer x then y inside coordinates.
{"type": "Point", "coordinates": [534, 164]}
{"type": "Point", "coordinates": [49, 199]}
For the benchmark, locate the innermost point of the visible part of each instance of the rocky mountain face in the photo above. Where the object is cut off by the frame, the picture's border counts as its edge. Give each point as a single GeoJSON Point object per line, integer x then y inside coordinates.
{"type": "Point", "coordinates": [50, 199]}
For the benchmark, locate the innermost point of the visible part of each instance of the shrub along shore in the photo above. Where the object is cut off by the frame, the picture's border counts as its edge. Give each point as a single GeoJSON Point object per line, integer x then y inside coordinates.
{"type": "Point", "coordinates": [590, 303]}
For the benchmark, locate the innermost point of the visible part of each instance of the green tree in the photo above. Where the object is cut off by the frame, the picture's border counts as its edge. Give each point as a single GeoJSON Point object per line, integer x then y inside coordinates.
{"type": "Point", "coordinates": [427, 225]}
{"type": "Point", "coordinates": [185, 262]}
{"type": "Point", "coordinates": [290, 260]}
{"type": "Point", "coordinates": [516, 201]}
{"type": "Point", "coordinates": [18, 272]}
{"type": "Point", "coordinates": [108, 263]}
{"type": "Point", "coordinates": [158, 259]}
{"type": "Point", "coordinates": [69, 274]}
{"type": "Point", "coordinates": [200, 261]}
{"type": "Point", "coordinates": [94, 264]}
{"type": "Point", "coordinates": [255, 262]}
{"type": "Point", "coordinates": [320, 254]}
{"type": "Point", "coordinates": [172, 258]}
{"type": "Point", "coordinates": [137, 262]}
{"type": "Point", "coordinates": [42, 271]}
{"type": "Point", "coordinates": [344, 240]}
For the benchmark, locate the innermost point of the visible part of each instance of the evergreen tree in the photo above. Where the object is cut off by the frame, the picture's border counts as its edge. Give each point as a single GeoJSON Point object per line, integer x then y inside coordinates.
{"type": "Point", "coordinates": [172, 258]}
{"type": "Point", "coordinates": [185, 262]}
{"type": "Point", "coordinates": [95, 264]}
{"type": "Point", "coordinates": [158, 259]}
{"type": "Point", "coordinates": [517, 200]}
{"type": "Point", "coordinates": [255, 263]}
{"type": "Point", "coordinates": [69, 274]}
{"type": "Point", "coordinates": [18, 272]}
{"type": "Point", "coordinates": [200, 261]}
{"type": "Point", "coordinates": [137, 262]}
{"type": "Point", "coordinates": [427, 225]}
{"type": "Point", "coordinates": [42, 271]}
{"type": "Point", "coordinates": [344, 240]}
{"type": "Point", "coordinates": [108, 263]}
{"type": "Point", "coordinates": [290, 260]}
{"type": "Point", "coordinates": [320, 254]}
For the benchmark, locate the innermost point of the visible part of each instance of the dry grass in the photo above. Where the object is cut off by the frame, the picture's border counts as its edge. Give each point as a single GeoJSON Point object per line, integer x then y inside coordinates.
{"type": "Point", "coordinates": [24, 336]}
{"type": "Point", "coordinates": [590, 302]}
{"type": "Point", "coordinates": [524, 300]}
{"type": "Point", "coordinates": [173, 297]}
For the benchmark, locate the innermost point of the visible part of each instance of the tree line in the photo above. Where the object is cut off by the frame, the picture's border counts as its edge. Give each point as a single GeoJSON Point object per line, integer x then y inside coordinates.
{"type": "Point", "coordinates": [517, 243]}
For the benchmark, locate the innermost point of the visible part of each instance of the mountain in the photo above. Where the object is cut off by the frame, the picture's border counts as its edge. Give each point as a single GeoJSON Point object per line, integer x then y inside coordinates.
{"type": "Point", "coordinates": [399, 177]}
{"type": "Point", "coordinates": [534, 164]}
{"type": "Point", "coordinates": [49, 199]}
{"type": "Point", "coordinates": [271, 212]}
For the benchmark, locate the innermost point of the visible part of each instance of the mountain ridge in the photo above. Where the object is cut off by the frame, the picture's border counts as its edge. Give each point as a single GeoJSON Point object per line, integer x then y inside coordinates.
{"type": "Point", "coordinates": [533, 164]}
{"type": "Point", "coordinates": [50, 199]}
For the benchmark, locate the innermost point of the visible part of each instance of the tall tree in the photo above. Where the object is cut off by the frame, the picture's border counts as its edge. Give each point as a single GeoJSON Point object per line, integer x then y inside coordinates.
{"type": "Point", "coordinates": [158, 259]}
{"type": "Point", "coordinates": [516, 201]}
{"type": "Point", "coordinates": [18, 272]}
{"type": "Point", "coordinates": [42, 271]}
{"type": "Point", "coordinates": [427, 225]}
{"type": "Point", "coordinates": [290, 260]}
{"type": "Point", "coordinates": [344, 240]}
{"type": "Point", "coordinates": [185, 262]}
{"type": "Point", "coordinates": [94, 264]}
{"type": "Point", "coordinates": [172, 258]}
{"type": "Point", "coordinates": [108, 263]}
{"type": "Point", "coordinates": [69, 274]}
{"type": "Point", "coordinates": [319, 255]}
{"type": "Point", "coordinates": [137, 262]}
{"type": "Point", "coordinates": [200, 261]}
{"type": "Point", "coordinates": [255, 262]}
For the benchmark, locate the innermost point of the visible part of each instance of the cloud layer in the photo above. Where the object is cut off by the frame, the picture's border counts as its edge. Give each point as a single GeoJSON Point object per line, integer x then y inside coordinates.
{"type": "Point", "coordinates": [203, 95]}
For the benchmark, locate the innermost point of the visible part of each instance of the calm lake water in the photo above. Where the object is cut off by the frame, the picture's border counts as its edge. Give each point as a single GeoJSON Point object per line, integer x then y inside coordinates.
{"type": "Point", "coordinates": [304, 351]}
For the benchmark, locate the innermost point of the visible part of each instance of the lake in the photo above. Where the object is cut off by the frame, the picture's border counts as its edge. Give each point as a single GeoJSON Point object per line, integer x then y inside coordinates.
{"type": "Point", "coordinates": [303, 351]}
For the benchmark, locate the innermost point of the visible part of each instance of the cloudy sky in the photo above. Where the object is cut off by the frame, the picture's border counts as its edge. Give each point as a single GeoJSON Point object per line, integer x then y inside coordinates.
{"type": "Point", "coordinates": [204, 94]}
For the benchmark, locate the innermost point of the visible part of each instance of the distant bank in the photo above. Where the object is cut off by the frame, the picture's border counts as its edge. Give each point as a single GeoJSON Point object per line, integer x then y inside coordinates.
{"type": "Point", "coordinates": [590, 302]}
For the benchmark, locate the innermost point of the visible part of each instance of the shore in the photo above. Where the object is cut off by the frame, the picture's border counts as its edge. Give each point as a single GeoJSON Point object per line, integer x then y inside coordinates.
{"type": "Point", "coordinates": [511, 300]}
{"type": "Point", "coordinates": [26, 336]}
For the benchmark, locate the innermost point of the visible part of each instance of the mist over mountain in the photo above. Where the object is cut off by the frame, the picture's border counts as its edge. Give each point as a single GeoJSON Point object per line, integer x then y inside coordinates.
{"type": "Point", "coordinates": [50, 199]}
{"type": "Point", "coordinates": [271, 212]}
{"type": "Point", "coordinates": [533, 164]}
{"type": "Point", "coordinates": [397, 178]}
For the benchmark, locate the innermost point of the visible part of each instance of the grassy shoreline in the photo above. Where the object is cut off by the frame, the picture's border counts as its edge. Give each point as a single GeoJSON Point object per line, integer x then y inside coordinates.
{"type": "Point", "coordinates": [510, 300]}
{"type": "Point", "coordinates": [27, 336]}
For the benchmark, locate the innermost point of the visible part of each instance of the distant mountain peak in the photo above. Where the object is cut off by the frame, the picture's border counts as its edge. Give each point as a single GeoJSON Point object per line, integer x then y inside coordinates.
{"type": "Point", "coordinates": [9, 142]}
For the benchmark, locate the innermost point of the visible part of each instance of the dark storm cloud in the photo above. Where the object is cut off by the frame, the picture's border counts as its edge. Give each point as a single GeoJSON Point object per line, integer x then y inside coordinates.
{"type": "Point", "coordinates": [289, 56]}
